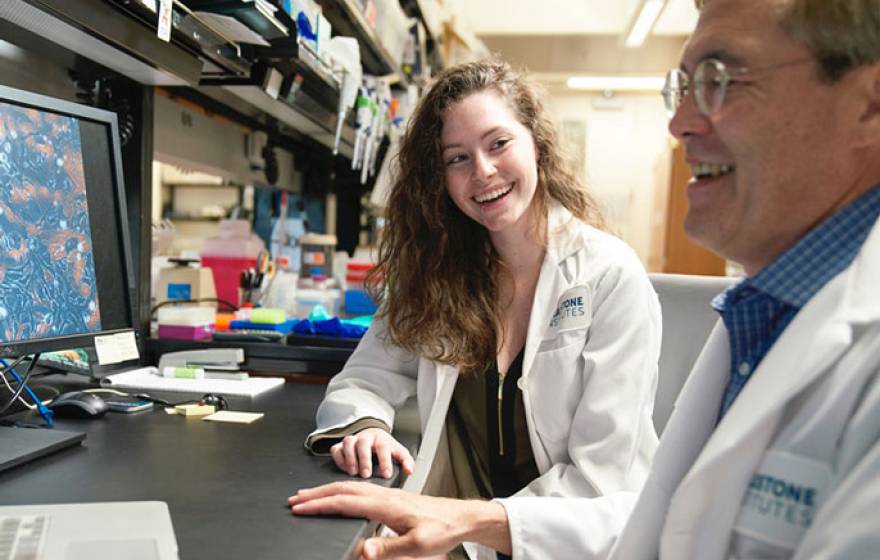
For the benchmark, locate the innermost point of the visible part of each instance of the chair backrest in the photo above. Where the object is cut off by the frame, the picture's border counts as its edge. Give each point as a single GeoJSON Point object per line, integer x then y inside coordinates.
{"type": "Point", "coordinates": [688, 318]}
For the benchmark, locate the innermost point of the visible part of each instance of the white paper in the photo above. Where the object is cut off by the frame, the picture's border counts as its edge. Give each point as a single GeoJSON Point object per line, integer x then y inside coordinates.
{"type": "Point", "coordinates": [150, 4]}
{"type": "Point", "coordinates": [145, 380]}
{"type": "Point", "coordinates": [164, 31]}
{"type": "Point", "coordinates": [115, 348]}
{"type": "Point", "coordinates": [235, 417]}
{"type": "Point", "coordinates": [231, 29]}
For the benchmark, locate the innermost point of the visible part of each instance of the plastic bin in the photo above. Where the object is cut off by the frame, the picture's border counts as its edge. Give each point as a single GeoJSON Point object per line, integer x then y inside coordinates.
{"type": "Point", "coordinates": [232, 251]}
{"type": "Point", "coordinates": [227, 275]}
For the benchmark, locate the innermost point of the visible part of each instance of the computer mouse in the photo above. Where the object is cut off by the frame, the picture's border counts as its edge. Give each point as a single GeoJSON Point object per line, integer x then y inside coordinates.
{"type": "Point", "coordinates": [79, 404]}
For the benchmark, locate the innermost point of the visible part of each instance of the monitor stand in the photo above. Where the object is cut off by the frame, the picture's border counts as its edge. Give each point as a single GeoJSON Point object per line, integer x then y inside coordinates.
{"type": "Point", "coordinates": [20, 445]}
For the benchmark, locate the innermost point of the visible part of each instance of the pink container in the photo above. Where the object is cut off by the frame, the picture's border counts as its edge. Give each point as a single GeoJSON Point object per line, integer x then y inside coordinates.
{"type": "Point", "coordinates": [227, 275]}
{"type": "Point", "coordinates": [186, 332]}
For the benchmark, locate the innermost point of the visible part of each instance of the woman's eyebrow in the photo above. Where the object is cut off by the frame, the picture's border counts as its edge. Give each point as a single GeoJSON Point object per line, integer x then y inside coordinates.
{"type": "Point", "coordinates": [489, 132]}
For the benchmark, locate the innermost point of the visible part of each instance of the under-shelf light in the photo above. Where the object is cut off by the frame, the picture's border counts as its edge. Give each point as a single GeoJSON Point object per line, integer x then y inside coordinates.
{"type": "Point", "coordinates": [616, 83]}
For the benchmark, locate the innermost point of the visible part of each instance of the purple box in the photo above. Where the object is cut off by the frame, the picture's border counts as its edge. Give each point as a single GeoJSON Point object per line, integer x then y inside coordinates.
{"type": "Point", "coordinates": [186, 332]}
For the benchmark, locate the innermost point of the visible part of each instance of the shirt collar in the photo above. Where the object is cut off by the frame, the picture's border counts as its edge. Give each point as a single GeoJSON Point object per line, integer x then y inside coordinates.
{"type": "Point", "coordinates": [826, 250]}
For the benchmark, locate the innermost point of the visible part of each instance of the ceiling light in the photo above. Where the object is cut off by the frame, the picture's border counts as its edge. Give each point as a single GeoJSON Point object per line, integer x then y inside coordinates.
{"type": "Point", "coordinates": [616, 83]}
{"type": "Point", "coordinates": [643, 21]}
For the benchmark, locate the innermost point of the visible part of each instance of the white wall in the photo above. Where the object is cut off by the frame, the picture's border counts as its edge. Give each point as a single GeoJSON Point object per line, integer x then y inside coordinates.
{"type": "Point", "coordinates": [623, 147]}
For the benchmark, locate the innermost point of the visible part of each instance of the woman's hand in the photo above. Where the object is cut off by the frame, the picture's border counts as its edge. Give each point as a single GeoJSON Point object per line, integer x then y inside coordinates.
{"type": "Point", "coordinates": [354, 454]}
{"type": "Point", "coordinates": [425, 526]}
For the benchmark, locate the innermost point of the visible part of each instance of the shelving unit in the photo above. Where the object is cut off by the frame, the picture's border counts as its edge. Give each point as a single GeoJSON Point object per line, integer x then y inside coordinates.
{"type": "Point", "coordinates": [347, 19]}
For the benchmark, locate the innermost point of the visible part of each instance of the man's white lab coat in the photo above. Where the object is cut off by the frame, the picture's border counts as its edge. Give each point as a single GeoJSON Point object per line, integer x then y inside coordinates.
{"type": "Point", "coordinates": [793, 469]}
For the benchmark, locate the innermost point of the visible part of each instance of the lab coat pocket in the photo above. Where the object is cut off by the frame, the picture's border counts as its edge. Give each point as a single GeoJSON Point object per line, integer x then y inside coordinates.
{"type": "Point", "coordinates": [555, 388]}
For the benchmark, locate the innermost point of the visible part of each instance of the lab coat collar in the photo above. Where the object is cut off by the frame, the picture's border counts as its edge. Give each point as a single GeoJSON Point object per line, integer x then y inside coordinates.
{"type": "Point", "coordinates": [810, 345]}
{"type": "Point", "coordinates": [562, 232]}
{"type": "Point", "coordinates": [861, 301]}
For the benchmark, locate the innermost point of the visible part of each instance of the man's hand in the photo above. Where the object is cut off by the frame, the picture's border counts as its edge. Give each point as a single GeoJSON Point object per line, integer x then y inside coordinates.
{"type": "Point", "coordinates": [426, 526]}
{"type": "Point", "coordinates": [354, 454]}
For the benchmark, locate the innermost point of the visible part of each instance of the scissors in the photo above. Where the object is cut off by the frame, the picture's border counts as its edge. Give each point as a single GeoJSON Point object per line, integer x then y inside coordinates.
{"type": "Point", "coordinates": [265, 266]}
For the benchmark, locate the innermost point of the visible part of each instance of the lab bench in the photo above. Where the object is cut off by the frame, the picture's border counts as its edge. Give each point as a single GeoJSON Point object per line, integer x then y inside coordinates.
{"type": "Point", "coordinates": [226, 485]}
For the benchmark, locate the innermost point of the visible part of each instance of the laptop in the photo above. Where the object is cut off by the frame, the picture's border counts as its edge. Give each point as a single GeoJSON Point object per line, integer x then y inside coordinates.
{"type": "Point", "coordinates": [97, 531]}
{"type": "Point", "coordinates": [20, 445]}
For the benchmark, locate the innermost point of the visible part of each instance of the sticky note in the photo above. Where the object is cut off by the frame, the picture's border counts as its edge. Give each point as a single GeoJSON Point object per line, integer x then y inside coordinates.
{"type": "Point", "coordinates": [115, 348]}
{"type": "Point", "coordinates": [235, 417]}
{"type": "Point", "coordinates": [194, 409]}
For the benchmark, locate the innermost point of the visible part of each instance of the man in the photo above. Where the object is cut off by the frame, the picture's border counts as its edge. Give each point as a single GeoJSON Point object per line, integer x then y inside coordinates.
{"type": "Point", "coordinates": [772, 450]}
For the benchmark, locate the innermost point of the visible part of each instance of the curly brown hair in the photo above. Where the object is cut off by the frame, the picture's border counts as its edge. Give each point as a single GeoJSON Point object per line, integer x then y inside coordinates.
{"type": "Point", "coordinates": [438, 272]}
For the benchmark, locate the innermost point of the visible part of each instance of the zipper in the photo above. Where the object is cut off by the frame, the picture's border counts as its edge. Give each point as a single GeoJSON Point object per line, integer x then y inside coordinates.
{"type": "Point", "coordinates": [500, 425]}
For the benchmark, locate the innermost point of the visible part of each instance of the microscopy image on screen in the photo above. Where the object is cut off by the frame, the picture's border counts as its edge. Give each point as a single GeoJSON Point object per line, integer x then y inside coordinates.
{"type": "Point", "coordinates": [47, 269]}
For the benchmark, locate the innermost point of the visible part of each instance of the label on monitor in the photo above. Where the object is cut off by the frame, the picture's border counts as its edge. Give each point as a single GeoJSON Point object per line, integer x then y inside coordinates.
{"type": "Point", "coordinates": [115, 348]}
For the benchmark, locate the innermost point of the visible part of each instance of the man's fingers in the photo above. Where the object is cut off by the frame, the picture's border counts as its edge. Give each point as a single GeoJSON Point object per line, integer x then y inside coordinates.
{"type": "Point", "coordinates": [340, 488]}
{"type": "Point", "coordinates": [408, 545]}
{"type": "Point", "coordinates": [341, 504]}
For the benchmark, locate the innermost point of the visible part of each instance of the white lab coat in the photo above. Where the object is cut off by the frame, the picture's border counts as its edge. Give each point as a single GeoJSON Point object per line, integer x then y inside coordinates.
{"type": "Point", "coordinates": [588, 380]}
{"type": "Point", "coordinates": [812, 407]}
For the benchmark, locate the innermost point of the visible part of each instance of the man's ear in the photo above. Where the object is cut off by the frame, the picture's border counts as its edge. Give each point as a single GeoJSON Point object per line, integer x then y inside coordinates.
{"type": "Point", "coordinates": [868, 84]}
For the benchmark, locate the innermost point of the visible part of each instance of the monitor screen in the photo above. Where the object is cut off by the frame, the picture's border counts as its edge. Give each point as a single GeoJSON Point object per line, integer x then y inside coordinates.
{"type": "Point", "coordinates": [64, 253]}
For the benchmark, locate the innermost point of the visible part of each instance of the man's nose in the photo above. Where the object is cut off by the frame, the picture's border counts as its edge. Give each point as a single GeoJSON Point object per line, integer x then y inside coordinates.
{"type": "Point", "coordinates": [688, 120]}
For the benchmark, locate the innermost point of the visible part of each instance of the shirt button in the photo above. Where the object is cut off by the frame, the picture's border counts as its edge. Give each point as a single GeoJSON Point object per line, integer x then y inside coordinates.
{"type": "Point", "coordinates": [744, 368]}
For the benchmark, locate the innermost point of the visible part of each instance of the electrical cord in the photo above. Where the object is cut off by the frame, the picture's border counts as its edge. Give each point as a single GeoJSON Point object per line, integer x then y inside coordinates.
{"type": "Point", "coordinates": [22, 385]}
{"type": "Point", "coordinates": [143, 396]}
{"type": "Point", "coordinates": [11, 390]}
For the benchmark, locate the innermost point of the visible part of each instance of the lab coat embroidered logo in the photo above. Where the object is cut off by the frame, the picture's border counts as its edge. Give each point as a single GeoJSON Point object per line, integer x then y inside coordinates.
{"type": "Point", "coordinates": [572, 310]}
{"type": "Point", "coordinates": [782, 498]}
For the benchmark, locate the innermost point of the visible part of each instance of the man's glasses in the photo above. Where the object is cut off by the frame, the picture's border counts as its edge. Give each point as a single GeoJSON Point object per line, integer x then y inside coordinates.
{"type": "Point", "coordinates": [710, 82]}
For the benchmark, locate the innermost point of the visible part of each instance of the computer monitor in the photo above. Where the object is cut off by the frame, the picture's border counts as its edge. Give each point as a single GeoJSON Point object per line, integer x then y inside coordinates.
{"type": "Point", "coordinates": [65, 260]}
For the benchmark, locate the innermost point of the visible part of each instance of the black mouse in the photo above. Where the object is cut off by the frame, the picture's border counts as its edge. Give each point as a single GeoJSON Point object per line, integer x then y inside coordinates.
{"type": "Point", "coordinates": [79, 404]}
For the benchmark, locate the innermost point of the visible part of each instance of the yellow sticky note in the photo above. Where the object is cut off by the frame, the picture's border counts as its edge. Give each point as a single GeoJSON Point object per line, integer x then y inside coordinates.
{"type": "Point", "coordinates": [235, 417]}
{"type": "Point", "coordinates": [194, 409]}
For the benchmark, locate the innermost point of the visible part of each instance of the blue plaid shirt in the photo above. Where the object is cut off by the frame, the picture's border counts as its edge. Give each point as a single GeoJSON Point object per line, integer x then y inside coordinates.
{"type": "Point", "coordinates": [757, 310]}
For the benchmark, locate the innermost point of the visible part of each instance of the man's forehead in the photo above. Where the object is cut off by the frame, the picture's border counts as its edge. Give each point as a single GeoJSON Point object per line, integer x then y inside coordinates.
{"type": "Point", "coordinates": [736, 31]}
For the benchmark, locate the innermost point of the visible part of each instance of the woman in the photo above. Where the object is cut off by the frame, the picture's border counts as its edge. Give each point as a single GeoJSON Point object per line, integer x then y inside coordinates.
{"type": "Point", "coordinates": [527, 333]}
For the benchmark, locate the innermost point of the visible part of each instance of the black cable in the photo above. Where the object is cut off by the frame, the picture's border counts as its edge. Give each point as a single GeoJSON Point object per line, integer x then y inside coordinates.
{"type": "Point", "coordinates": [22, 385]}
{"type": "Point", "coordinates": [200, 300]}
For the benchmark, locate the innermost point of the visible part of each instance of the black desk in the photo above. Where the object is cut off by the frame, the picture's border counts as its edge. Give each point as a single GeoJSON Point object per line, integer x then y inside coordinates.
{"type": "Point", "coordinates": [225, 484]}
{"type": "Point", "coordinates": [300, 354]}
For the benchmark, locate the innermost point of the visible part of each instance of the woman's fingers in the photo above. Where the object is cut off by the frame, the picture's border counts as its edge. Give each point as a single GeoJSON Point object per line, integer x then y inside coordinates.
{"type": "Point", "coordinates": [349, 454]}
{"type": "Point", "coordinates": [364, 451]}
{"type": "Point", "coordinates": [354, 454]}
{"type": "Point", "coordinates": [402, 455]}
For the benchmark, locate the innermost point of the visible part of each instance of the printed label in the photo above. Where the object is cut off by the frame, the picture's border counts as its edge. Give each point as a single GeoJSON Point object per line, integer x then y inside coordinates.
{"type": "Point", "coordinates": [782, 498]}
{"type": "Point", "coordinates": [572, 310]}
{"type": "Point", "coordinates": [179, 291]}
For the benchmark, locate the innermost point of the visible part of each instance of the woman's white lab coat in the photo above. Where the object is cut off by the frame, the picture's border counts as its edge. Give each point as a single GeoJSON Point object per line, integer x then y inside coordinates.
{"type": "Point", "coordinates": [793, 469]}
{"type": "Point", "coordinates": [588, 382]}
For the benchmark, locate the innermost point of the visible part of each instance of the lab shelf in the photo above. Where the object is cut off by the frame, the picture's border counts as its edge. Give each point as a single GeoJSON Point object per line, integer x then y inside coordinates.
{"type": "Point", "coordinates": [348, 19]}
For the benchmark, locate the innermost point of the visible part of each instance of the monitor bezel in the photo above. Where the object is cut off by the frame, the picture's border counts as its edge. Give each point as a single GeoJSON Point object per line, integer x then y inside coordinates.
{"type": "Point", "coordinates": [71, 109]}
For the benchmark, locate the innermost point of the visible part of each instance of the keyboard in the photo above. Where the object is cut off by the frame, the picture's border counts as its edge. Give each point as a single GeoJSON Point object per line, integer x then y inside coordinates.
{"type": "Point", "coordinates": [23, 537]}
